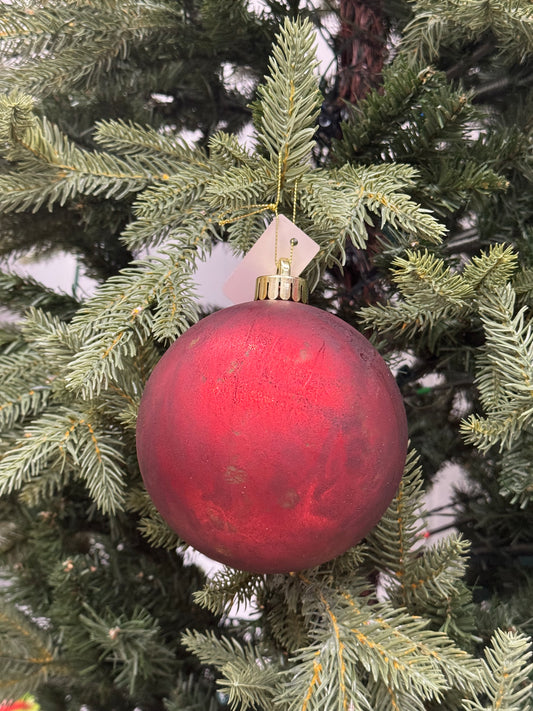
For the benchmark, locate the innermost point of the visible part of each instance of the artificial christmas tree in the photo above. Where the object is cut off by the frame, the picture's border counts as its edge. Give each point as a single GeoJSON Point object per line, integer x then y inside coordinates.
{"type": "Point", "coordinates": [420, 205]}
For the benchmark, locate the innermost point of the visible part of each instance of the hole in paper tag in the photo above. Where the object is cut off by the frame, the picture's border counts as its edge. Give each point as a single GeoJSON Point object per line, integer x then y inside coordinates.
{"type": "Point", "coordinates": [261, 259]}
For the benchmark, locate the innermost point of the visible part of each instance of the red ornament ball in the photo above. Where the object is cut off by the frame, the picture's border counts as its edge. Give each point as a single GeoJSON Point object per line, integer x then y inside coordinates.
{"type": "Point", "coordinates": [271, 436]}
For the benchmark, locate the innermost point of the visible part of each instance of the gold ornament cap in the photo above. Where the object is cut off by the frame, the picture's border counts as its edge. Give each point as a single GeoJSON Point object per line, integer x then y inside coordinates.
{"type": "Point", "coordinates": [281, 286]}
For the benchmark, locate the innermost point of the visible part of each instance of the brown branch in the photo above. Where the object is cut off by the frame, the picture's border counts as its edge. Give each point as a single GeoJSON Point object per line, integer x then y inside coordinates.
{"type": "Point", "coordinates": [362, 39]}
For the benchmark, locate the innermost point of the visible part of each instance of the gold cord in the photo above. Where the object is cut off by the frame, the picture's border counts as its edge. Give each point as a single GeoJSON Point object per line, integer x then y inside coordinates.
{"type": "Point", "coordinates": [259, 208]}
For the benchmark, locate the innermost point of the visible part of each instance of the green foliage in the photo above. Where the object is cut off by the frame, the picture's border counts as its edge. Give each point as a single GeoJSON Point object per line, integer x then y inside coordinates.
{"type": "Point", "coordinates": [357, 649]}
{"type": "Point", "coordinates": [188, 195]}
{"type": "Point", "coordinates": [516, 473]}
{"type": "Point", "coordinates": [246, 677]}
{"type": "Point", "coordinates": [355, 636]}
{"type": "Point", "coordinates": [101, 636]}
{"type": "Point", "coordinates": [507, 24]}
{"type": "Point", "coordinates": [436, 301]}
{"type": "Point", "coordinates": [116, 322]}
{"type": "Point", "coordinates": [351, 197]}
{"type": "Point", "coordinates": [27, 654]}
{"type": "Point", "coordinates": [426, 580]}
{"type": "Point", "coordinates": [61, 443]}
{"type": "Point", "coordinates": [51, 169]}
{"type": "Point", "coordinates": [506, 673]}
{"type": "Point", "coordinates": [192, 695]}
{"type": "Point", "coordinates": [228, 588]}
{"type": "Point", "coordinates": [504, 373]}
{"type": "Point", "coordinates": [401, 526]}
{"type": "Point", "coordinates": [419, 119]}
{"type": "Point", "coordinates": [19, 397]}
{"type": "Point", "coordinates": [289, 101]}
{"type": "Point", "coordinates": [24, 292]}
{"type": "Point", "coordinates": [131, 645]}
{"type": "Point", "coordinates": [51, 41]}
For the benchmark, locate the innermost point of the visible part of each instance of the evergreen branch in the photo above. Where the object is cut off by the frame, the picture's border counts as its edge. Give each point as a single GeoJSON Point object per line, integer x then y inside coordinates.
{"type": "Point", "coordinates": [25, 388]}
{"type": "Point", "coordinates": [10, 337]}
{"type": "Point", "coordinates": [62, 48]}
{"type": "Point", "coordinates": [492, 269]}
{"type": "Point", "coordinates": [450, 21]}
{"type": "Point", "coordinates": [434, 134]}
{"type": "Point", "coordinates": [247, 677]}
{"type": "Point", "coordinates": [19, 367]}
{"type": "Point", "coordinates": [433, 587]}
{"type": "Point", "coordinates": [16, 116]}
{"type": "Point", "coordinates": [314, 683]}
{"type": "Point", "coordinates": [243, 187]}
{"type": "Point", "coordinates": [119, 318]}
{"type": "Point", "coordinates": [505, 373]}
{"type": "Point", "coordinates": [158, 533]}
{"type": "Point", "coordinates": [406, 321]}
{"type": "Point", "coordinates": [486, 432]}
{"type": "Point", "coordinates": [226, 150]}
{"type": "Point", "coordinates": [26, 657]}
{"type": "Point", "coordinates": [289, 101]}
{"type": "Point", "coordinates": [62, 439]}
{"type": "Point", "coordinates": [247, 684]}
{"type": "Point", "coordinates": [121, 400]}
{"type": "Point", "coordinates": [374, 115]}
{"type": "Point", "coordinates": [435, 571]}
{"type": "Point", "coordinates": [342, 679]}
{"type": "Point", "coordinates": [151, 524]}
{"type": "Point", "coordinates": [24, 292]}
{"type": "Point", "coordinates": [445, 664]}
{"type": "Point", "coordinates": [132, 645]}
{"type": "Point", "coordinates": [377, 187]}
{"type": "Point", "coordinates": [182, 190]}
{"type": "Point", "coordinates": [392, 542]}
{"type": "Point", "coordinates": [242, 234]}
{"type": "Point", "coordinates": [10, 535]}
{"type": "Point", "coordinates": [50, 483]}
{"type": "Point", "coordinates": [213, 650]}
{"type": "Point", "coordinates": [506, 674]}
{"type": "Point", "coordinates": [523, 286]}
{"type": "Point", "coordinates": [455, 180]}
{"type": "Point", "coordinates": [128, 138]}
{"type": "Point", "coordinates": [343, 203]}
{"type": "Point", "coordinates": [286, 623]}
{"type": "Point", "coordinates": [337, 210]}
{"type": "Point", "coordinates": [392, 647]}
{"type": "Point", "coordinates": [175, 210]}
{"type": "Point", "coordinates": [51, 338]}
{"type": "Point", "coordinates": [437, 120]}
{"type": "Point", "coordinates": [516, 475]}
{"type": "Point", "coordinates": [51, 169]}
{"type": "Point", "coordinates": [226, 589]}
{"type": "Point", "coordinates": [16, 405]}
{"type": "Point", "coordinates": [425, 281]}
{"type": "Point", "coordinates": [386, 698]}
{"type": "Point", "coordinates": [433, 302]}
{"type": "Point", "coordinates": [41, 449]}
{"type": "Point", "coordinates": [191, 228]}
{"type": "Point", "coordinates": [190, 694]}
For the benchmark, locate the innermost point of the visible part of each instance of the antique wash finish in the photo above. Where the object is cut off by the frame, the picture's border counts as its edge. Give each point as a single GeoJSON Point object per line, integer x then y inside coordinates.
{"type": "Point", "coordinates": [271, 436]}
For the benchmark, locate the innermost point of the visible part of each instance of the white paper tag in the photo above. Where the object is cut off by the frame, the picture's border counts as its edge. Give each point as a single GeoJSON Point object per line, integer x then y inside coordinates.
{"type": "Point", "coordinates": [261, 259]}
